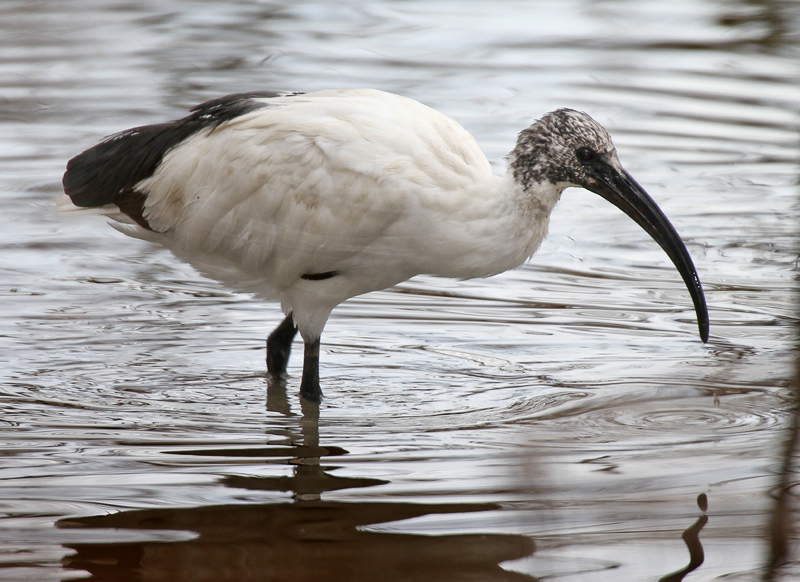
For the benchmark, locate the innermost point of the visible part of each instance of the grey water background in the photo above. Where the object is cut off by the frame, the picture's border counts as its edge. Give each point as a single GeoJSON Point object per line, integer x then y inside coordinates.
{"type": "Point", "coordinates": [561, 421]}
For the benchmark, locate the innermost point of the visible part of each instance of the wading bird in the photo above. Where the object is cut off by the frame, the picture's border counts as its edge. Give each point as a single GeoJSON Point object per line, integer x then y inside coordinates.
{"type": "Point", "coordinates": [314, 198]}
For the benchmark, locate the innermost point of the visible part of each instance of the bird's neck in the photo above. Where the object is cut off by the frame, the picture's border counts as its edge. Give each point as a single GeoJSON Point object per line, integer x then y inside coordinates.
{"type": "Point", "coordinates": [505, 226]}
{"type": "Point", "coordinates": [526, 214]}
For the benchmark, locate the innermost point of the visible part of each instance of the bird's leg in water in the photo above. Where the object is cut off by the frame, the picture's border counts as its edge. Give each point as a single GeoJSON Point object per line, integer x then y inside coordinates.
{"type": "Point", "coordinates": [309, 385]}
{"type": "Point", "coordinates": [279, 346]}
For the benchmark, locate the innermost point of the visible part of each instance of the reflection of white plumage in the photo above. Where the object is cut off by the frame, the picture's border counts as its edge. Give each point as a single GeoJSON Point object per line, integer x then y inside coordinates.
{"type": "Point", "coordinates": [315, 198]}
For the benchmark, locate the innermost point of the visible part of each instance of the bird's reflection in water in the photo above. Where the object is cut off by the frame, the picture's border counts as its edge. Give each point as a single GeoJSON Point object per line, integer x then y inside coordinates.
{"type": "Point", "coordinates": [305, 539]}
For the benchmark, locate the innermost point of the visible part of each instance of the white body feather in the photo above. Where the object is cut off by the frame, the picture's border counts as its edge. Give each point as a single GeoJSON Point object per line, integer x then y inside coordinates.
{"type": "Point", "coordinates": [371, 185]}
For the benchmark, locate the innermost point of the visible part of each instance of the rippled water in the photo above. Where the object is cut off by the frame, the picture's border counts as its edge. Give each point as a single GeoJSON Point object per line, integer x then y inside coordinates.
{"type": "Point", "coordinates": [559, 421]}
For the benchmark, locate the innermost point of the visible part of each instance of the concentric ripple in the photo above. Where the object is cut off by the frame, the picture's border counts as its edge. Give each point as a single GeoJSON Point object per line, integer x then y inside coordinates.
{"type": "Point", "coordinates": [674, 420]}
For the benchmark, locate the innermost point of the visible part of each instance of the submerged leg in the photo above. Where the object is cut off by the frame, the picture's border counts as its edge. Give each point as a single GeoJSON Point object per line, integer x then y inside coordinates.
{"type": "Point", "coordinates": [279, 346]}
{"type": "Point", "coordinates": [309, 385]}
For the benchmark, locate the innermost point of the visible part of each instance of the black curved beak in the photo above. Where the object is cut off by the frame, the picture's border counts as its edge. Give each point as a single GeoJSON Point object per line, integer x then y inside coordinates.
{"type": "Point", "coordinates": [618, 187]}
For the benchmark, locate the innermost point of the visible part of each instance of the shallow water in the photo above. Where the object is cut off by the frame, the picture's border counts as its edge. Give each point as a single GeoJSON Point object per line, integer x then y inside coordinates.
{"type": "Point", "coordinates": [559, 421]}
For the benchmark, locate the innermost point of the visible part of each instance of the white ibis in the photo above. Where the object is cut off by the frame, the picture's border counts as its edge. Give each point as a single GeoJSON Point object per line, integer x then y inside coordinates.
{"type": "Point", "coordinates": [314, 198]}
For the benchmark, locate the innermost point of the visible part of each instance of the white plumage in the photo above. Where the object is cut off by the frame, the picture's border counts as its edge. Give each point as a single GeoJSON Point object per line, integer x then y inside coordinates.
{"type": "Point", "coordinates": [314, 198]}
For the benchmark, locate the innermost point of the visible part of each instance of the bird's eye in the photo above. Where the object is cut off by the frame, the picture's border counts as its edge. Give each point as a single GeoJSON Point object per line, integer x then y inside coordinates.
{"type": "Point", "coordinates": [585, 154]}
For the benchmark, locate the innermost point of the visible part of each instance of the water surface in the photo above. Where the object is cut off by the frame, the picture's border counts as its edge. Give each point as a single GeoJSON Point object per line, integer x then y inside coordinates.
{"type": "Point", "coordinates": [559, 421]}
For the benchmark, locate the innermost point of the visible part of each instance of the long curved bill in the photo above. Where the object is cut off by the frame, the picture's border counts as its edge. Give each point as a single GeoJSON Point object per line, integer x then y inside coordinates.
{"type": "Point", "coordinates": [618, 187]}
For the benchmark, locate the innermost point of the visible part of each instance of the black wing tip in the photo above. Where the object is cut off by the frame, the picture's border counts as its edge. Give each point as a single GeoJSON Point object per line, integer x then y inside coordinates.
{"type": "Point", "coordinates": [80, 181]}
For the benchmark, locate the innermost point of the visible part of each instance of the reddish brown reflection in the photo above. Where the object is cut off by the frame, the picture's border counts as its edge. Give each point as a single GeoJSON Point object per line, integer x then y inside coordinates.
{"type": "Point", "coordinates": [293, 542]}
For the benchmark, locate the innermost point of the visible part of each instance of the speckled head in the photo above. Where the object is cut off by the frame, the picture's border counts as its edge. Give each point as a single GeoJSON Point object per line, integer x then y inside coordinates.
{"type": "Point", "coordinates": [550, 149]}
{"type": "Point", "coordinates": [569, 148]}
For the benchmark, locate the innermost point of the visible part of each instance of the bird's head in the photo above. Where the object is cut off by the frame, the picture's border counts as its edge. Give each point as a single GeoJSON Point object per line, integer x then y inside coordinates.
{"type": "Point", "coordinates": [569, 148]}
{"type": "Point", "coordinates": [559, 148]}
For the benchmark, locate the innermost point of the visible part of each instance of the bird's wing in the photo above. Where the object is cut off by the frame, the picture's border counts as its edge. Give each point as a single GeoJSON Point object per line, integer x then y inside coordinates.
{"type": "Point", "coordinates": [312, 181]}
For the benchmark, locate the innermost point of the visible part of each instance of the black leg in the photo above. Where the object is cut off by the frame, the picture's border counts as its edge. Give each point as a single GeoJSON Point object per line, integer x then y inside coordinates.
{"type": "Point", "coordinates": [279, 346]}
{"type": "Point", "coordinates": [309, 386]}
